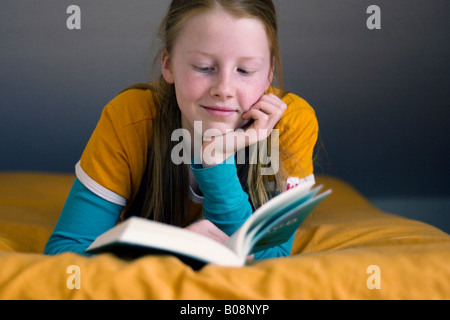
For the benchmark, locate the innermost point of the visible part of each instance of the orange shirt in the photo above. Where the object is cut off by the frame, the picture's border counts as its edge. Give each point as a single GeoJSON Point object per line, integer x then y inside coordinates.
{"type": "Point", "coordinates": [114, 160]}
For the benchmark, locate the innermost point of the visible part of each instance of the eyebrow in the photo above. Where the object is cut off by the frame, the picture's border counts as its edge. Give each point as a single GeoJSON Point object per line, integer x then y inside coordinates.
{"type": "Point", "coordinates": [210, 55]}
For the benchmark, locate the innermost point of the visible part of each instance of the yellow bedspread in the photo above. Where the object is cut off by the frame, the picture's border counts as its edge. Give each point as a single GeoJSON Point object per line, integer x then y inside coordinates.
{"type": "Point", "coordinates": [346, 249]}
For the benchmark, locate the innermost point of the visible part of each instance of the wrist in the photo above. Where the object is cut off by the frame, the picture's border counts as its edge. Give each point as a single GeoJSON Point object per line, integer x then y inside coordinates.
{"type": "Point", "coordinates": [214, 153]}
{"type": "Point", "coordinates": [217, 149]}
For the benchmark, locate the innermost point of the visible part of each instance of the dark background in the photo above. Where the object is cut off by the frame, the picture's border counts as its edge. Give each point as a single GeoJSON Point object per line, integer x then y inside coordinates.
{"type": "Point", "coordinates": [381, 96]}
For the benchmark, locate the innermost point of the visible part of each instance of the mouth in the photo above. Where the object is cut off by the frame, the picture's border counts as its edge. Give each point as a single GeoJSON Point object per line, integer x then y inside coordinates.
{"type": "Point", "coordinates": [221, 112]}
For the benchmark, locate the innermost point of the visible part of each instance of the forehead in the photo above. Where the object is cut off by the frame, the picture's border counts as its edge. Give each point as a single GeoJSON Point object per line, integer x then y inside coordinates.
{"type": "Point", "coordinates": [218, 32]}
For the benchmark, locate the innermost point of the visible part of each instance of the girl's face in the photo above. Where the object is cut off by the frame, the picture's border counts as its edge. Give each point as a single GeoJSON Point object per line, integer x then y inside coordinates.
{"type": "Point", "coordinates": [220, 66]}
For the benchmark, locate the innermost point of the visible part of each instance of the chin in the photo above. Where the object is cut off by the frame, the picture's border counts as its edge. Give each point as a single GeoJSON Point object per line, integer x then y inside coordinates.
{"type": "Point", "coordinates": [225, 128]}
{"type": "Point", "coordinates": [215, 130]}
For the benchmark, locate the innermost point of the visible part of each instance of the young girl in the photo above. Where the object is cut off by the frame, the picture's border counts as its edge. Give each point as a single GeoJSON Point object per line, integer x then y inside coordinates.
{"type": "Point", "coordinates": [220, 68]}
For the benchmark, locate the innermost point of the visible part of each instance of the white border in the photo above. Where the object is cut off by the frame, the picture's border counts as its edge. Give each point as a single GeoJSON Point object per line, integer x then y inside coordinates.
{"type": "Point", "coordinates": [97, 189]}
{"type": "Point", "coordinates": [195, 197]}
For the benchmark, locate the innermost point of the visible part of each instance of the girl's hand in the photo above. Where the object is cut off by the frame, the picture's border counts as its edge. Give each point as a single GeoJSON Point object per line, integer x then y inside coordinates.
{"type": "Point", "coordinates": [263, 116]}
{"type": "Point", "coordinates": [208, 229]}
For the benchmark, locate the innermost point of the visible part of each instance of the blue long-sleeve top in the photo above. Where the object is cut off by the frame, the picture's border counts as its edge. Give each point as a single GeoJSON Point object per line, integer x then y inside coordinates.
{"type": "Point", "coordinates": [85, 215]}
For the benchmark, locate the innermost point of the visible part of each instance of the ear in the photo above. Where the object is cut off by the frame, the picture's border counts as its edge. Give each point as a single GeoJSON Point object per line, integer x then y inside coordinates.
{"type": "Point", "coordinates": [166, 67]}
{"type": "Point", "coordinates": [270, 78]}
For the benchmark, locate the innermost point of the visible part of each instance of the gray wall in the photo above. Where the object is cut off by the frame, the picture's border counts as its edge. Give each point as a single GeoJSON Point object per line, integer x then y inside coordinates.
{"type": "Point", "coordinates": [381, 96]}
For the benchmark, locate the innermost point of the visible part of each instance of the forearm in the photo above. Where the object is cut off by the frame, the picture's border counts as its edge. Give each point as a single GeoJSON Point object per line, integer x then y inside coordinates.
{"type": "Point", "coordinates": [85, 216]}
{"type": "Point", "coordinates": [225, 204]}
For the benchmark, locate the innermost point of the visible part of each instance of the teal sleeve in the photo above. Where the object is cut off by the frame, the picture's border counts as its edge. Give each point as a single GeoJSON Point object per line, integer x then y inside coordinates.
{"type": "Point", "coordinates": [227, 205]}
{"type": "Point", "coordinates": [225, 202]}
{"type": "Point", "coordinates": [84, 217]}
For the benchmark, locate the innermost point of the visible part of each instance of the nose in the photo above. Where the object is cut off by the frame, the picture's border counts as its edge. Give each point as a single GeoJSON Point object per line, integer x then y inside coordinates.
{"type": "Point", "coordinates": [223, 87]}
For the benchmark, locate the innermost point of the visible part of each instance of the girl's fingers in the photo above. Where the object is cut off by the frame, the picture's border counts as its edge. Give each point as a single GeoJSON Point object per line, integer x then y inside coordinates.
{"type": "Point", "coordinates": [266, 112]}
{"type": "Point", "coordinates": [260, 129]}
{"type": "Point", "coordinates": [270, 105]}
{"type": "Point", "coordinates": [257, 115]}
{"type": "Point", "coordinates": [208, 229]}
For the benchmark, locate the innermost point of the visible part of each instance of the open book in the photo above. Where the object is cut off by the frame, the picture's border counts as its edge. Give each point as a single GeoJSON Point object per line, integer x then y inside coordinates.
{"type": "Point", "coordinates": [272, 224]}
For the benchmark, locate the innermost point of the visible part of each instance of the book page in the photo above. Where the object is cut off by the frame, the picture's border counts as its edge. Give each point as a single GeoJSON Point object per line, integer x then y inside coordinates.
{"type": "Point", "coordinates": [270, 210]}
{"type": "Point", "coordinates": [280, 230]}
{"type": "Point", "coordinates": [154, 235]}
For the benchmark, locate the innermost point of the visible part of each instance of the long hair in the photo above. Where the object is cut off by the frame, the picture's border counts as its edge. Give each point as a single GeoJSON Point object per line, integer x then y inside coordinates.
{"type": "Point", "coordinates": [164, 191]}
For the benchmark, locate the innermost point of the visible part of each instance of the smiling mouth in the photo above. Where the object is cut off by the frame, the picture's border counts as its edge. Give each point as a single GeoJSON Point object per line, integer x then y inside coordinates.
{"type": "Point", "coordinates": [221, 112]}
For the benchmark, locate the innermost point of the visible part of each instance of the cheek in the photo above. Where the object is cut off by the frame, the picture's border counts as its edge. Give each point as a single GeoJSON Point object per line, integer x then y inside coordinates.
{"type": "Point", "coordinates": [250, 96]}
{"type": "Point", "coordinates": [252, 90]}
{"type": "Point", "coordinates": [189, 88]}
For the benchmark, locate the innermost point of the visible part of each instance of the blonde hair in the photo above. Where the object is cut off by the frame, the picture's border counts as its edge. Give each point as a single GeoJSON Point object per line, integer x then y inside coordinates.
{"type": "Point", "coordinates": [166, 185]}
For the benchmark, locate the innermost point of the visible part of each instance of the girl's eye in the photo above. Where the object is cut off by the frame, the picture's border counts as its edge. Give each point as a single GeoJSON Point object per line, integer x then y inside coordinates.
{"type": "Point", "coordinates": [243, 71]}
{"type": "Point", "coordinates": [203, 69]}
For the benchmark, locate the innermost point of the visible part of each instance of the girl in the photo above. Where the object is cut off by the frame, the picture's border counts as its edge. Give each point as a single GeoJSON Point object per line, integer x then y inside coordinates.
{"type": "Point", "coordinates": [220, 65]}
